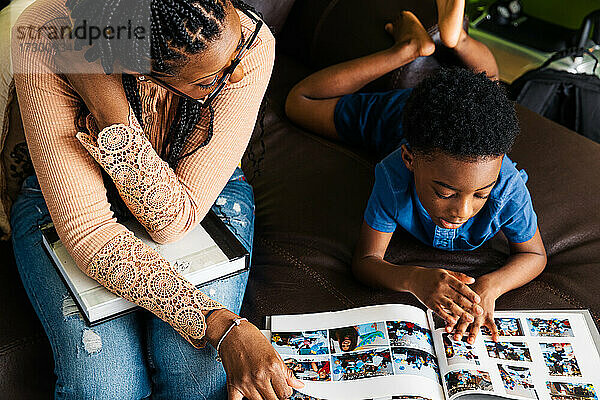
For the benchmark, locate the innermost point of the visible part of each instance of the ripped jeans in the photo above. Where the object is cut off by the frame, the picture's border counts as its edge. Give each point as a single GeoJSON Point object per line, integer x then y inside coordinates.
{"type": "Point", "coordinates": [136, 356]}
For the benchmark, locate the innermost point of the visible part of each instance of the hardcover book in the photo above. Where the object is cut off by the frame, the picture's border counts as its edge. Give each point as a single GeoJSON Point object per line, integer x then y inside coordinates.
{"type": "Point", "coordinates": [209, 252]}
{"type": "Point", "coordinates": [402, 352]}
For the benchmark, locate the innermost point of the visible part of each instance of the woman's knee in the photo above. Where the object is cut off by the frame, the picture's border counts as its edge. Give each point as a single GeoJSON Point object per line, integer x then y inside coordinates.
{"type": "Point", "coordinates": [100, 363]}
{"type": "Point", "coordinates": [180, 370]}
{"type": "Point", "coordinates": [29, 209]}
{"type": "Point", "coordinates": [119, 382]}
{"type": "Point", "coordinates": [235, 206]}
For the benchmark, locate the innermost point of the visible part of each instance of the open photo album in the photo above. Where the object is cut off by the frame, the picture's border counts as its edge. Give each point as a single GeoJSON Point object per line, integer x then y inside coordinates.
{"type": "Point", "coordinates": [402, 352]}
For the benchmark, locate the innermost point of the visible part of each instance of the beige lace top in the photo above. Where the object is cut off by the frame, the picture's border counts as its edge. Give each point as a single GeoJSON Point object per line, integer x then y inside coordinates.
{"type": "Point", "coordinates": [167, 203]}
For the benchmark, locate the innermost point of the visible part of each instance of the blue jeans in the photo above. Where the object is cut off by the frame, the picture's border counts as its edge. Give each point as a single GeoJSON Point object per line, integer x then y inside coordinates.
{"type": "Point", "coordinates": [135, 356]}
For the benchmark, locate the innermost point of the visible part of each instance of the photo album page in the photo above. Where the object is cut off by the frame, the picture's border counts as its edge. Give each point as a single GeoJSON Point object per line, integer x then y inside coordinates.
{"type": "Point", "coordinates": [391, 352]}
{"type": "Point", "coordinates": [539, 355]}
{"type": "Point", "coordinates": [363, 353]}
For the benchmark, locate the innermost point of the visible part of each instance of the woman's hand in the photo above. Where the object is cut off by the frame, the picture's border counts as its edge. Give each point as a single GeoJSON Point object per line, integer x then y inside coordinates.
{"type": "Point", "coordinates": [254, 369]}
{"type": "Point", "coordinates": [488, 302]}
{"type": "Point", "coordinates": [103, 94]}
{"type": "Point", "coordinates": [446, 293]}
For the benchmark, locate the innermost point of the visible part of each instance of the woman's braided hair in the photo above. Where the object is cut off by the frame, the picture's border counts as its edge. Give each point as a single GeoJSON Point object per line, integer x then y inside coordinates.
{"type": "Point", "coordinates": [178, 28]}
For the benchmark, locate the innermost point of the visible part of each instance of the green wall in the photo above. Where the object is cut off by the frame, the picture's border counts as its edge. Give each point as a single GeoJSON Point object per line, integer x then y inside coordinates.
{"type": "Point", "coordinates": [568, 13]}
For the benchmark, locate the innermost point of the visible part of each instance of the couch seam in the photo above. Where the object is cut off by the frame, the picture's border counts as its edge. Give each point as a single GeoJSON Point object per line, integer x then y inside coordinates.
{"type": "Point", "coordinates": [293, 260]}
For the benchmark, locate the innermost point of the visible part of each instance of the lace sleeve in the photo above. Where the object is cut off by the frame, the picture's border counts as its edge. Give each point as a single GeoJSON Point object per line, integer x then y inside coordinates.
{"type": "Point", "coordinates": [131, 269]}
{"type": "Point", "coordinates": [148, 186]}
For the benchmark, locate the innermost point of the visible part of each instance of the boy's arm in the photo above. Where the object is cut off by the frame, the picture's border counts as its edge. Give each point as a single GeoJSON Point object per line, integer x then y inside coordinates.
{"type": "Point", "coordinates": [526, 261]}
{"type": "Point", "coordinates": [311, 103]}
{"type": "Point", "coordinates": [445, 292]}
{"type": "Point", "coordinates": [476, 56]}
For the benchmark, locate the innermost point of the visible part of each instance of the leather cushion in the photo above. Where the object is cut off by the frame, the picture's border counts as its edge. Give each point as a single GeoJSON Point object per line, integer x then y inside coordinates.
{"type": "Point", "coordinates": [274, 12]}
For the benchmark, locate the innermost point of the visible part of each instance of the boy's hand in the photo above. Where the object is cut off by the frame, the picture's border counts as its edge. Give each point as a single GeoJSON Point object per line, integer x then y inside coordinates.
{"type": "Point", "coordinates": [488, 303]}
{"type": "Point", "coordinates": [447, 294]}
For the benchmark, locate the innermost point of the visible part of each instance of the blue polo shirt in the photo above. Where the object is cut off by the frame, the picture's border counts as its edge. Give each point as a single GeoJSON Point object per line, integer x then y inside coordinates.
{"type": "Point", "coordinates": [374, 121]}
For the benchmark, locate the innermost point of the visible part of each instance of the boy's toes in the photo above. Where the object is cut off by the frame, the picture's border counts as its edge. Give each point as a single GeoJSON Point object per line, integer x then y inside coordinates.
{"type": "Point", "coordinates": [412, 31]}
{"type": "Point", "coordinates": [450, 20]}
{"type": "Point", "coordinates": [389, 28]}
{"type": "Point", "coordinates": [427, 48]}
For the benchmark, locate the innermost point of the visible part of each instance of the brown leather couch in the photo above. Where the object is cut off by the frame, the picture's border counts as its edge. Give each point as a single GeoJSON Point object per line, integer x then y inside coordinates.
{"type": "Point", "coordinates": [310, 195]}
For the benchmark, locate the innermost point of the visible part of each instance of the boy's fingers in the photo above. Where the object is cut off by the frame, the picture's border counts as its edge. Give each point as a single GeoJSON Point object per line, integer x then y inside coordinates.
{"type": "Point", "coordinates": [253, 394]}
{"type": "Point", "coordinates": [466, 304]}
{"type": "Point", "coordinates": [461, 328]}
{"type": "Point", "coordinates": [449, 319]}
{"type": "Point", "coordinates": [474, 330]}
{"type": "Point", "coordinates": [234, 394]}
{"type": "Point", "coordinates": [456, 310]}
{"type": "Point", "coordinates": [464, 290]}
{"type": "Point", "coordinates": [493, 328]}
{"type": "Point", "coordinates": [465, 298]}
{"type": "Point", "coordinates": [268, 393]}
{"type": "Point", "coordinates": [468, 307]}
{"type": "Point", "coordinates": [292, 381]}
{"type": "Point", "coordinates": [462, 277]}
{"type": "Point", "coordinates": [281, 386]}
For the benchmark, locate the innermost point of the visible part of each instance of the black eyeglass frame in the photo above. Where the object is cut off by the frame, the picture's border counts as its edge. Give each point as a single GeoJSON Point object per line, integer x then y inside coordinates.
{"type": "Point", "coordinates": [208, 99]}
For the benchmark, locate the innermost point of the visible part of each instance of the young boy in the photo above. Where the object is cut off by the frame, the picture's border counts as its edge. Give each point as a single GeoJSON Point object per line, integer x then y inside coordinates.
{"type": "Point", "coordinates": [445, 177]}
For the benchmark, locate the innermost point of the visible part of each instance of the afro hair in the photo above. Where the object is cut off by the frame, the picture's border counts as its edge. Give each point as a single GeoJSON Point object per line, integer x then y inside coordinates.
{"type": "Point", "coordinates": [461, 113]}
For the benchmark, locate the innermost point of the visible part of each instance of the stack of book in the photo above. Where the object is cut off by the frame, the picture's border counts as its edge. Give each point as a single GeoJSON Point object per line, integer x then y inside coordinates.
{"type": "Point", "coordinates": [207, 253]}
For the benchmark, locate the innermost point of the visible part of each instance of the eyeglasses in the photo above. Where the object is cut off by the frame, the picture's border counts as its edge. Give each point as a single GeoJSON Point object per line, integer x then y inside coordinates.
{"type": "Point", "coordinates": [227, 72]}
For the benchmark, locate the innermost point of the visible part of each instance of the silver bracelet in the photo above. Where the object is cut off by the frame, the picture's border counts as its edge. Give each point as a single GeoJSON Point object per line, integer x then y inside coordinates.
{"type": "Point", "coordinates": [235, 323]}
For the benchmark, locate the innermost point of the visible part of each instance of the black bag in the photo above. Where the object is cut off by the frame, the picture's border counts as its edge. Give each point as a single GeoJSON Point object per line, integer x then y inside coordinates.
{"type": "Point", "coordinates": [572, 100]}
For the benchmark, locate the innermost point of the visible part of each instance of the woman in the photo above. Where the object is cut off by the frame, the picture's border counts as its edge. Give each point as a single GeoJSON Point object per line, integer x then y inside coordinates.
{"type": "Point", "coordinates": [191, 77]}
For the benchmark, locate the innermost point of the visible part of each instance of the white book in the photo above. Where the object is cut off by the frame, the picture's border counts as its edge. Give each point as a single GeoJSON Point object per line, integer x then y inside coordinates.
{"type": "Point", "coordinates": [207, 253]}
{"type": "Point", "coordinates": [402, 352]}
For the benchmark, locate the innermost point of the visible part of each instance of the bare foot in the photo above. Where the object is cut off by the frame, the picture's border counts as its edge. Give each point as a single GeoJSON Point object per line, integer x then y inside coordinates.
{"type": "Point", "coordinates": [408, 31]}
{"type": "Point", "coordinates": [450, 20]}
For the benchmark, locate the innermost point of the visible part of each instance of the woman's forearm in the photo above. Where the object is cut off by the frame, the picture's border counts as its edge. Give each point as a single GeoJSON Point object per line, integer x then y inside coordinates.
{"type": "Point", "coordinates": [147, 185]}
{"type": "Point", "coordinates": [129, 268]}
{"type": "Point", "coordinates": [217, 324]}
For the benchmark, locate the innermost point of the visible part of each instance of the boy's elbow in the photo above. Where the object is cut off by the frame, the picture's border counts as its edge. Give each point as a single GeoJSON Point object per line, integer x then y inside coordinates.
{"type": "Point", "coordinates": [543, 259]}
{"type": "Point", "coordinates": [541, 251]}
{"type": "Point", "coordinates": [292, 104]}
{"type": "Point", "coordinates": [289, 106]}
{"type": "Point", "coordinates": [359, 268]}
{"type": "Point", "coordinates": [355, 267]}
